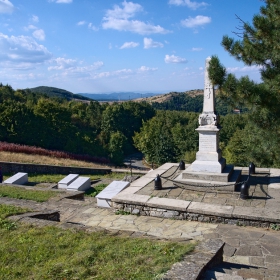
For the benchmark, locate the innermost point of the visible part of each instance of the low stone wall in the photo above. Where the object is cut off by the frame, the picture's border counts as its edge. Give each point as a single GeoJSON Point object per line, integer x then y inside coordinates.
{"type": "Point", "coordinates": [207, 255]}
{"type": "Point", "coordinates": [185, 215]}
{"type": "Point", "coordinates": [14, 167]}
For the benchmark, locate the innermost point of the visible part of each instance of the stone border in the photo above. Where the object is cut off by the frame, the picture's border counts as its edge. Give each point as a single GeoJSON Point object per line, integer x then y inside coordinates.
{"type": "Point", "coordinates": [193, 215]}
{"type": "Point", "coordinates": [207, 255]}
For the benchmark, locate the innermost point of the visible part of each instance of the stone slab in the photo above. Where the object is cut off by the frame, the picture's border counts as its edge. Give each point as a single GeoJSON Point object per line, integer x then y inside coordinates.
{"type": "Point", "coordinates": [105, 196]}
{"type": "Point", "coordinates": [153, 173]}
{"type": "Point", "coordinates": [18, 179]}
{"type": "Point", "coordinates": [131, 198]}
{"type": "Point", "coordinates": [221, 177]}
{"type": "Point", "coordinates": [131, 190]}
{"type": "Point", "coordinates": [142, 182]}
{"type": "Point", "coordinates": [210, 209]}
{"type": "Point", "coordinates": [66, 181]}
{"type": "Point", "coordinates": [258, 214]}
{"type": "Point", "coordinates": [169, 165]}
{"type": "Point", "coordinates": [80, 184]}
{"type": "Point", "coordinates": [168, 203]}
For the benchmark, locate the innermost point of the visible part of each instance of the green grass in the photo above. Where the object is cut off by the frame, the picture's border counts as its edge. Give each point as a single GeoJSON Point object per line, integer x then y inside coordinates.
{"type": "Point", "coordinates": [22, 193]}
{"type": "Point", "coordinates": [9, 210]}
{"type": "Point", "coordinates": [55, 178]}
{"type": "Point", "coordinates": [50, 253]}
{"type": "Point", "coordinates": [96, 190]}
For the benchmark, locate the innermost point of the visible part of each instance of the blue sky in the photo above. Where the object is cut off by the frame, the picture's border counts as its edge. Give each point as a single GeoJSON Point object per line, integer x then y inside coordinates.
{"type": "Point", "coordinates": [99, 46]}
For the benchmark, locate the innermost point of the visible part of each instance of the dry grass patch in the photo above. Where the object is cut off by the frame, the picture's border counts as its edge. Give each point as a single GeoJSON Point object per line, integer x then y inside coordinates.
{"type": "Point", "coordinates": [38, 159]}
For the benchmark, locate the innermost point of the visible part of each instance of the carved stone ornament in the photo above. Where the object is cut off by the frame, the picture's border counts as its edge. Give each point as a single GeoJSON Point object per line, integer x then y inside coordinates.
{"type": "Point", "coordinates": [209, 119]}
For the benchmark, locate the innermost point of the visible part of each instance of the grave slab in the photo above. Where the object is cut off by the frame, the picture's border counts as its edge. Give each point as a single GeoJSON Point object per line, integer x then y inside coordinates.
{"type": "Point", "coordinates": [80, 184]}
{"type": "Point", "coordinates": [66, 181]}
{"type": "Point", "coordinates": [18, 179]}
{"type": "Point", "coordinates": [105, 196]}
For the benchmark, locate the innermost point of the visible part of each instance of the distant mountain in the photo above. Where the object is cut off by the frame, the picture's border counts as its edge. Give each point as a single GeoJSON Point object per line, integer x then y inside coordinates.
{"type": "Point", "coordinates": [117, 96]}
{"type": "Point", "coordinates": [57, 92]}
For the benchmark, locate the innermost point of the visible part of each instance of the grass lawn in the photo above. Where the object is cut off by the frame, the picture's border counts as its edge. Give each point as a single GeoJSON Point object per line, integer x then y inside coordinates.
{"type": "Point", "coordinates": [21, 193]}
{"type": "Point", "coordinates": [51, 253]}
{"type": "Point", "coordinates": [55, 178]}
{"type": "Point", "coordinates": [96, 190]}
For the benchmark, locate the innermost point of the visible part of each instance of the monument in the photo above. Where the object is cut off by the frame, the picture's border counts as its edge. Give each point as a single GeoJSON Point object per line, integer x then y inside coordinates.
{"type": "Point", "coordinates": [209, 165]}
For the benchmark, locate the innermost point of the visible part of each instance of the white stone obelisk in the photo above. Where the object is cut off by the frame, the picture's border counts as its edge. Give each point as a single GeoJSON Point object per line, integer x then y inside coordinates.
{"type": "Point", "coordinates": [209, 157]}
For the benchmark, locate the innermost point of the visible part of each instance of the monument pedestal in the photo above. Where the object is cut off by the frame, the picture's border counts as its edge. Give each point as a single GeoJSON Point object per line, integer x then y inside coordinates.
{"type": "Point", "coordinates": [209, 157]}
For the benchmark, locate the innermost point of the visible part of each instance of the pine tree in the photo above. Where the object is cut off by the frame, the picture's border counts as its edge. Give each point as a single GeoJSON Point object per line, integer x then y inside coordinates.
{"type": "Point", "coordinates": [259, 45]}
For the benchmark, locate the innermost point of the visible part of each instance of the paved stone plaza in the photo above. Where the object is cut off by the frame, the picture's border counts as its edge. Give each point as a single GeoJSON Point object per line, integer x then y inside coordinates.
{"type": "Point", "coordinates": [249, 252]}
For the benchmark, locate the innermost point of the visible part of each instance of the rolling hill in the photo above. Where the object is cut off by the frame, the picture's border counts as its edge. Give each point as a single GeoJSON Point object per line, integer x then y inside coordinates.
{"type": "Point", "coordinates": [57, 92]}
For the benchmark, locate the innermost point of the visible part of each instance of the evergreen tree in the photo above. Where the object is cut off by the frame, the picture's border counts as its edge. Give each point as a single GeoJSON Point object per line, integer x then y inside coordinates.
{"type": "Point", "coordinates": [259, 45]}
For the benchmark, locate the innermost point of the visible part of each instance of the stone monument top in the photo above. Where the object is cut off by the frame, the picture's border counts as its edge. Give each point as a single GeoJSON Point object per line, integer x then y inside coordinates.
{"type": "Point", "coordinates": [208, 116]}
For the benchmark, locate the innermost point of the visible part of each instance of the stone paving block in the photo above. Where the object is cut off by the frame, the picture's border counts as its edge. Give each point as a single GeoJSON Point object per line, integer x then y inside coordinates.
{"type": "Point", "coordinates": [152, 174]}
{"type": "Point", "coordinates": [142, 182]}
{"type": "Point", "coordinates": [247, 213]}
{"type": "Point", "coordinates": [210, 209]}
{"type": "Point", "coordinates": [131, 190]}
{"type": "Point", "coordinates": [257, 261]}
{"type": "Point", "coordinates": [245, 260]}
{"type": "Point", "coordinates": [131, 198]}
{"type": "Point", "coordinates": [249, 251]}
{"type": "Point", "coordinates": [168, 165]}
{"type": "Point", "coordinates": [272, 249]}
{"type": "Point", "coordinates": [168, 203]}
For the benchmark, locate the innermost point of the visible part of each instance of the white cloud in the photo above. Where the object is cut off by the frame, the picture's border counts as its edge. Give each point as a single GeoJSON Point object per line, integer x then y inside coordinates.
{"type": "Point", "coordinates": [30, 27]}
{"type": "Point", "coordinates": [21, 52]}
{"type": "Point", "coordinates": [6, 7]}
{"type": "Point", "coordinates": [244, 69]}
{"type": "Point", "coordinates": [200, 68]}
{"type": "Point", "coordinates": [39, 34]}
{"type": "Point", "coordinates": [72, 67]}
{"type": "Point", "coordinates": [92, 27]}
{"type": "Point", "coordinates": [196, 21]}
{"type": "Point", "coordinates": [174, 59]}
{"type": "Point", "coordinates": [149, 43]}
{"type": "Point", "coordinates": [146, 69]}
{"type": "Point", "coordinates": [35, 18]}
{"type": "Point", "coordinates": [123, 73]}
{"type": "Point", "coordinates": [62, 1]}
{"type": "Point", "coordinates": [120, 19]}
{"type": "Point", "coordinates": [197, 49]}
{"type": "Point", "coordinates": [81, 22]}
{"type": "Point", "coordinates": [128, 45]}
{"type": "Point", "coordinates": [63, 63]}
{"type": "Point", "coordinates": [192, 5]}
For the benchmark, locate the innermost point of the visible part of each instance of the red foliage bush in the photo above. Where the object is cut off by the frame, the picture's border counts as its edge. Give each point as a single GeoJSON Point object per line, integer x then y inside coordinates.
{"type": "Point", "coordinates": [16, 148]}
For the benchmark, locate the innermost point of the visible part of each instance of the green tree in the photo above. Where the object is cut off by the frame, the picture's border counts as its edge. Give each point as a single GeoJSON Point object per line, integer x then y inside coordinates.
{"type": "Point", "coordinates": [258, 46]}
{"type": "Point", "coordinates": [167, 136]}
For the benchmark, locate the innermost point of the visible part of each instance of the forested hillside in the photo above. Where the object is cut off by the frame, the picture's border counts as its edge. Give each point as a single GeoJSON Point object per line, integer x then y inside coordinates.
{"type": "Point", "coordinates": [119, 129]}
{"type": "Point", "coordinates": [186, 101]}
{"type": "Point", "coordinates": [57, 92]}
{"type": "Point", "coordinates": [84, 128]}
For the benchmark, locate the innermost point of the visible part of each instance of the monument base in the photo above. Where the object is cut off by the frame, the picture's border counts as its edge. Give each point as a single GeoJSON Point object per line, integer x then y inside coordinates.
{"type": "Point", "coordinates": [208, 166]}
{"type": "Point", "coordinates": [196, 180]}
